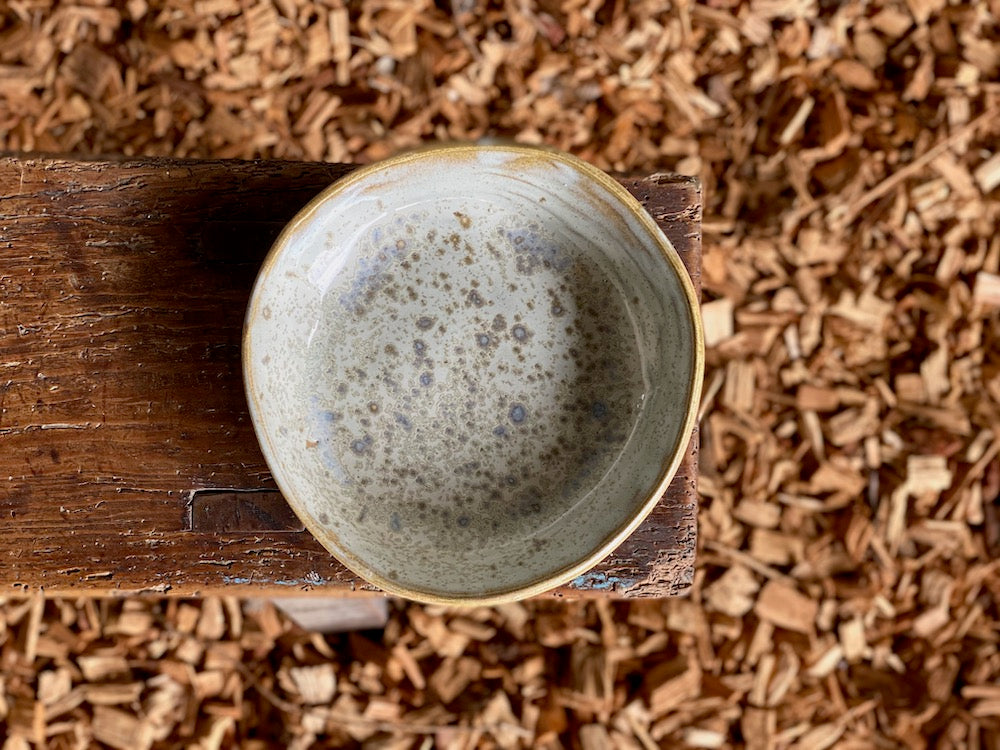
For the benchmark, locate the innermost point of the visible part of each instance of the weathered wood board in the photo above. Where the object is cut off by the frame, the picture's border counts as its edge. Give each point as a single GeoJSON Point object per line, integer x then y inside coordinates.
{"type": "Point", "coordinates": [127, 456]}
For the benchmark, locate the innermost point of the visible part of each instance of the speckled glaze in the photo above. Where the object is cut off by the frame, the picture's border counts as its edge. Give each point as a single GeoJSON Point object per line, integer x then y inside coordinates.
{"type": "Point", "coordinates": [473, 369]}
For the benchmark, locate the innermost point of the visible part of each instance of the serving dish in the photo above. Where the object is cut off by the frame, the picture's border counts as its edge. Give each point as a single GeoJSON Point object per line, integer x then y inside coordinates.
{"type": "Point", "coordinates": [473, 369]}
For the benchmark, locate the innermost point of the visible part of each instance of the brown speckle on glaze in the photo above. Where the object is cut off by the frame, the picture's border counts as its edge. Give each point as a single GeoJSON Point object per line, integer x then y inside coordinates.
{"type": "Point", "coordinates": [426, 426]}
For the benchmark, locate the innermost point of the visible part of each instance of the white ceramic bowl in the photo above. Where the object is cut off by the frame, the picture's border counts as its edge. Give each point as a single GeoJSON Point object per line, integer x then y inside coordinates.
{"type": "Point", "coordinates": [473, 370]}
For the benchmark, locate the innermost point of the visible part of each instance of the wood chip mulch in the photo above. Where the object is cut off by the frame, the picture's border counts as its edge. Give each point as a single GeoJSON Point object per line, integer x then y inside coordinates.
{"type": "Point", "coordinates": [846, 592]}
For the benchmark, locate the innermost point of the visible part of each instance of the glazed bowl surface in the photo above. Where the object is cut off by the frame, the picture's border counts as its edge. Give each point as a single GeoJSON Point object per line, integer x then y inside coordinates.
{"type": "Point", "coordinates": [473, 370]}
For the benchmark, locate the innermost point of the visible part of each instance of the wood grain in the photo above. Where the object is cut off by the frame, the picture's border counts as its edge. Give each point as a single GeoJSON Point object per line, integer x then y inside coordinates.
{"type": "Point", "coordinates": [123, 285]}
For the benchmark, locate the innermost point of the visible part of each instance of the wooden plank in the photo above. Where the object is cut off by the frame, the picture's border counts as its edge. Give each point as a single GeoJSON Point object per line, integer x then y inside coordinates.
{"type": "Point", "coordinates": [122, 292]}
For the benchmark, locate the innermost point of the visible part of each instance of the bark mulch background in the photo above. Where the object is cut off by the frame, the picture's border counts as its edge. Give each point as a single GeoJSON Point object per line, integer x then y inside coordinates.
{"type": "Point", "coordinates": [846, 592]}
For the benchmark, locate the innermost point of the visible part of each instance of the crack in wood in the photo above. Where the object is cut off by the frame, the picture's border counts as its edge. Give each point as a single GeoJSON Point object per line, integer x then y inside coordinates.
{"type": "Point", "coordinates": [234, 510]}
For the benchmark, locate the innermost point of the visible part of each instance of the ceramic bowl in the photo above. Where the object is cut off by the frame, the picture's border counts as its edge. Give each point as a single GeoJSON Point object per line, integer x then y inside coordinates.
{"type": "Point", "coordinates": [473, 370]}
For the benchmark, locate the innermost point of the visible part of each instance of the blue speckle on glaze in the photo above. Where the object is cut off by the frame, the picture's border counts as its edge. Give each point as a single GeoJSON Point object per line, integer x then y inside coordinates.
{"type": "Point", "coordinates": [394, 523]}
{"type": "Point", "coordinates": [370, 276]}
{"type": "Point", "coordinates": [599, 410]}
{"type": "Point", "coordinates": [322, 428]}
{"type": "Point", "coordinates": [535, 250]}
{"type": "Point", "coordinates": [426, 379]}
{"type": "Point", "coordinates": [518, 413]}
{"type": "Point", "coordinates": [362, 445]}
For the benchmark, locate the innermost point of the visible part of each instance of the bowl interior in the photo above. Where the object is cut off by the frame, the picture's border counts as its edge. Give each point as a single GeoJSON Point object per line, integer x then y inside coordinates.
{"type": "Point", "coordinates": [471, 369]}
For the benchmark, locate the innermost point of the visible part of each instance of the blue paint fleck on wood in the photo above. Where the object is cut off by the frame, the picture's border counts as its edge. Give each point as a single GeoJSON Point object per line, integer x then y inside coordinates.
{"type": "Point", "coordinates": [311, 579]}
{"type": "Point", "coordinates": [602, 582]}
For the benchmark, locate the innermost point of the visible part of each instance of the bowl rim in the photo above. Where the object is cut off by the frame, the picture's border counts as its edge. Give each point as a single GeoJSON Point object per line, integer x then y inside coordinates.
{"type": "Point", "coordinates": [671, 459]}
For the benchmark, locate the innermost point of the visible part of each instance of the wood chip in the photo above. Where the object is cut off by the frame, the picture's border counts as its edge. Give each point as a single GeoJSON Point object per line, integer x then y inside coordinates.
{"type": "Point", "coordinates": [738, 392]}
{"type": "Point", "coordinates": [784, 607]}
{"type": "Point", "coordinates": [121, 730]}
{"type": "Point", "coordinates": [927, 473]}
{"type": "Point", "coordinates": [763, 515]}
{"type": "Point", "coordinates": [707, 738]}
{"type": "Point", "coordinates": [987, 289]}
{"type": "Point", "coordinates": [315, 685]}
{"type": "Point", "coordinates": [212, 621]}
{"type": "Point", "coordinates": [717, 318]}
{"type": "Point", "coordinates": [97, 668]}
{"type": "Point", "coordinates": [827, 662]}
{"type": "Point", "coordinates": [113, 694]}
{"type": "Point", "coordinates": [820, 737]}
{"type": "Point", "coordinates": [594, 737]}
{"type": "Point", "coordinates": [453, 676]}
{"type": "Point", "coordinates": [987, 174]}
{"type": "Point", "coordinates": [671, 684]}
{"type": "Point", "coordinates": [53, 685]}
{"type": "Point", "coordinates": [733, 594]}
{"type": "Point", "coordinates": [852, 639]}
{"type": "Point", "coordinates": [758, 728]}
{"type": "Point", "coordinates": [855, 75]}
{"type": "Point", "coordinates": [815, 398]}
{"type": "Point", "coordinates": [775, 547]}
